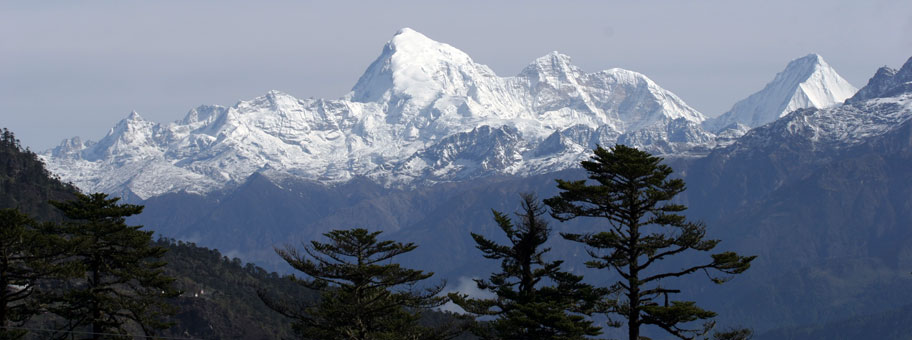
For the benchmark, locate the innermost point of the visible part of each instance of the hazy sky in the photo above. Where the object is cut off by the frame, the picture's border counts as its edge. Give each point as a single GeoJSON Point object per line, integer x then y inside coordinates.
{"type": "Point", "coordinates": [72, 68]}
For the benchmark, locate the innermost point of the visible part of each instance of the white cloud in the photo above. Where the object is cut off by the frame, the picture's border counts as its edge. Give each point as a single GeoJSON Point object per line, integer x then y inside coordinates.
{"type": "Point", "coordinates": [465, 285]}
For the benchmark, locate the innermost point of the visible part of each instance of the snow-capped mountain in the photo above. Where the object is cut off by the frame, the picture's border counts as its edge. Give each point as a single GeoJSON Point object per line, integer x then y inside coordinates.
{"type": "Point", "coordinates": [884, 104]}
{"type": "Point", "coordinates": [806, 82]}
{"type": "Point", "coordinates": [817, 194]}
{"type": "Point", "coordinates": [423, 112]}
{"type": "Point", "coordinates": [813, 192]}
{"type": "Point", "coordinates": [887, 82]}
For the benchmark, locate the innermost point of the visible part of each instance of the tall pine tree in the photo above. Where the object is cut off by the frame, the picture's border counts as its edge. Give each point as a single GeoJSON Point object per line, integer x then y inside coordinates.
{"type": "Point", "coordinates": [124, 289]}
{"type": "Point", "coordinates": [633, 194]}
{"type": "Point", "coordinates": [363, 294]}
{"type": "Point", "coordinates": [535, 299]}
{"type": "Point", "coordinates": [30, 253]}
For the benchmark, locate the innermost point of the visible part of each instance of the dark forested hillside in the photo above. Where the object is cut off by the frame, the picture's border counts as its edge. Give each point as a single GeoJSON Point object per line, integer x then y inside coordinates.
{"type": "Point", "coordinates": [831, 227]}
{"type": "Point", "coordinates": [220, 294]}
{"type": "Point", "coordinates": [25, 184]}
{"type": "Point", "coordinates": [220, 300]}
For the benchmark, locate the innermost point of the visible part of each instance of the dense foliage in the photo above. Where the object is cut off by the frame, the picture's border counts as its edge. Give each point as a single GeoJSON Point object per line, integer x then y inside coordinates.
{"type": "Point", "coordinates": [534, 298]}
{"type": "Point", "coordinates": [633, 195]}
{"type": "Point", "coordinates": [363, 294]}
{"type": "Point", "coordinates": [219, 299]}
{"type": "Point", "coordinates": [123, 289]}
{"type": "Point", "coordinates": [24, 182]}
{"type": "Point", "coordinates": [29, 252]}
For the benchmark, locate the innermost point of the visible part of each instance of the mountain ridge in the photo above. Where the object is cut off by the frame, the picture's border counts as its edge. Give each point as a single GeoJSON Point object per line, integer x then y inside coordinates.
{"type": "Point", "coordinates": [416, 97]}
{"type": "Point", "coordinates": [821, 195]}
{"type": "Point", "coordinates": [805, 82]}
{"type": "Point", "coordinates": [407, 122]}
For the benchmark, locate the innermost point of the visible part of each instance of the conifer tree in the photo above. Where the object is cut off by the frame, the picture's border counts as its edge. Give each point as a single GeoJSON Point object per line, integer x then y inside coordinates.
{"type": "Point", "coordinates": [25, 184]}
{"type": "Point", "coordinates": [534, 298]}
{"type": "Point", "coordinates": [734, 334]}
{"type": "Point", "coordinates": [29, 253]}
{"type": "Point", "coordinates": [123, 289]}
{"type": "Point", "coordinates": [633, 195]}
{"type": "Point", "coordinates": [363, 294]}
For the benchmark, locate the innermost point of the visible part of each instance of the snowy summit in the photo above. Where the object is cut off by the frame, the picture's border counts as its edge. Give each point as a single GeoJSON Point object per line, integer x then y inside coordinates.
{"type": "Point", "coordinates": [806, 82]}
{"type": "Point", "coordinates": [422, 113]}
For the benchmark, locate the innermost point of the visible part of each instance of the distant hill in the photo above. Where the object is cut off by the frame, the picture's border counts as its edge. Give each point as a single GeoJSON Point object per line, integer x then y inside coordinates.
{"type": "Point", "coordinates": [890, 325]}
{"type": "Point", "coordinates": [822, 196]}
{"type": "Point", "coordinates": [25, 183]}
{"type": "Point", "coordinates": [220, 293]}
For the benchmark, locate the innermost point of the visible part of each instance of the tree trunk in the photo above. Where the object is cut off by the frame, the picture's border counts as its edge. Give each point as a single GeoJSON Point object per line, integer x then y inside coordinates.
{"type": "Point", "coordinates": [3, 306]}
{"type": "Point", "coordinates": [97, 328]}
{"type": "Point", "coordinates": [633, 316]}
{"type": "Point", "coordinates": [633, 297]}
{"type": "Point", "coordinates": [4, 284]}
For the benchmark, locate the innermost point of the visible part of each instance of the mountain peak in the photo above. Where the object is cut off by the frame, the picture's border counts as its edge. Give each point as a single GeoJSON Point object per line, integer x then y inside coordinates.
{"type": "Point", "coordinates": [407, 35]}
{"type": "Point", "coordinates": [409, 41]}
{"type": "Point", "coordinates": [132, 122]}
{"type": "Point", "coordinates": [812, 58]}
{"type": "Point", "coordinates": [805, 66]}
{"type": "Point", "coordinates": [805, 82]}
{"type": "Point", "coordinates": [414, 66]}
{"type": "Point", "coordinates": [409, 46]}
{"type": "Point", "coordinates": [422, 113]}
{"type": "Point", "coordinates": [406, 30]}
{"type": "Point", "coordinates": [276, 93]}
{"type": "Point", "coordinates": [887, 82]}
{"type": "Point", "coordinates": [906, 70]}
{"type": "Point", "coordinates": [555, 56]}
{"type": "Point", "coordinates": [550, 65]}
{"type": "Point", "coordinates": [134, 116]}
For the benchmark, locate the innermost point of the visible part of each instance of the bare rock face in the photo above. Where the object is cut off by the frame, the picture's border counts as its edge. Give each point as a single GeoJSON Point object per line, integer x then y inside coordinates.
{"type": "Point", "coordinates": [887, 82]}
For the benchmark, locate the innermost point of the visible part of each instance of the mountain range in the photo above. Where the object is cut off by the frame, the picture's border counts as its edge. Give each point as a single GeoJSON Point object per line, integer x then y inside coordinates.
{"type": "Point", "coordinates": [424, 113]}
{"type": "Point", "coordinates": [807, 173]}
{"type": "Point", "coordinates": [824, 198]}
{"type": "Point", "coordinates": [806, 82]}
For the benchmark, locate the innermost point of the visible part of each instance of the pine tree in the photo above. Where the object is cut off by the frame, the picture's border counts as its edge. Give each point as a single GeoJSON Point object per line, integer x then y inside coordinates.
{"type": "Point", "coordinates": [29, 253]}
{"type": "Point", "coordinates": [525, 305]}
{"type": "Point", "coordinates": [25, 184]}
{"type": "Point", "coordinates": [734, 334]}
{"type": "Point", "coordinates": [124, 289]}
{"type": "Point", "coordinates": [633, 195]}
{"type": "Point", "coordinates": [363, 295]}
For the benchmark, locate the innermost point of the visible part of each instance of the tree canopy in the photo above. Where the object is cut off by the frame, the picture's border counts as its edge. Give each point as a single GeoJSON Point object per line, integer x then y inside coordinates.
{"type": "Point", "coordinates": [123, 289]}
{"type": "Point", "coordinates": [30, 253]}
{"type": "Point", "coordinates": [534, 298]}
{"type": "Point", "coordinates": [363, 294]}
{"type": "Point", "coordinates": [633, 194]}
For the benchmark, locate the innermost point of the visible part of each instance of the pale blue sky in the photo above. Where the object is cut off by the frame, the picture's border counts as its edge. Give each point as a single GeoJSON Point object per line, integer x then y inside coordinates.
{"type": "Point", "coordinates": [75, 68]}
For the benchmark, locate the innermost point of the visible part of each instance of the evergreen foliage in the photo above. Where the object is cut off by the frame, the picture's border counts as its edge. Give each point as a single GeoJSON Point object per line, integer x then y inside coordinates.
{"type": "Point", "coordinates": [124, 289]}
{"type": "Point", "coordinates": [24, 182]}
{"type": "Point", "coordinates": [29, 253]}
{"type": "Point", "coordinates": [634, 195]}
{"type": "Point", "coordinates": [363, 295]}
{"type": "Point", "coordinates": [219, 299]}
{"type": "Point", "coordinates": [525, 306]}
{"type": "Point", "coordinates": [734, 334]}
